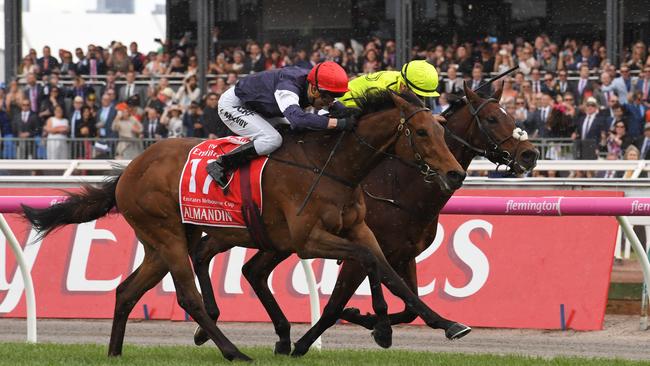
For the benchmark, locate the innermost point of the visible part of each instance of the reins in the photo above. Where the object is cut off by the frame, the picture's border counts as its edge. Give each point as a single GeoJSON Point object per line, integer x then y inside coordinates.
{"type": "Point", "coordinates": [424, 168]}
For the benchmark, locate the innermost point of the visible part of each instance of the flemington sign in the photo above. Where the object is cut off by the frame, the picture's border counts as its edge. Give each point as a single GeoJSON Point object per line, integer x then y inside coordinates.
{"type": "Point", "coordinates": [492, 271]}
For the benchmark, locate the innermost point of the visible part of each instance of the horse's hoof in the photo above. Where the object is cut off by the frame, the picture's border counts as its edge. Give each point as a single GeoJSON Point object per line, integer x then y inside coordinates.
{"type": "Point", "coordinates": [282, 348]}
{"type": "Point", "coordinates": [353, 315]}
{"type": "Point", "coordinates": [350, 313]}
{"type": "Point", "coordinates": [200, 336]}
{"type": "Point", "coordinates": [383, 335]}
{"type": "Point", "coordinates": [457, 331]}
{"type": "Point", "coordinates": [298, 350]}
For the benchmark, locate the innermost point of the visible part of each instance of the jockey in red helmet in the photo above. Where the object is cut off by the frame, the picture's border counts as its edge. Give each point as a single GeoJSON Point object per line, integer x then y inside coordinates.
{"type": "Point", "coordinates": [261, 100]}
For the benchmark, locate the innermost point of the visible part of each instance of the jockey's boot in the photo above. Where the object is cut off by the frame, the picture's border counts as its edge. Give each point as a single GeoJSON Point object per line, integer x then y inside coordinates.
{"type": "Point", "coordinates": [241, 155]}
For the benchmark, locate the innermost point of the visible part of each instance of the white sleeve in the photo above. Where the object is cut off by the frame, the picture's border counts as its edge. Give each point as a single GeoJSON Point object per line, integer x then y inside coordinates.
{"type": "Point", "coordinates": [286, 98]}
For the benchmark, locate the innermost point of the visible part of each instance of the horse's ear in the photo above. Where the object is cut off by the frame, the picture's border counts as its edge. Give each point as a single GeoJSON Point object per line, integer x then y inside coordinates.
{"type": "Point", "coordinates": [471, 96]}
{"type": "Point", "coordinates": [497, 93]}
{"type": "Point", "coordinates": [400, 102]}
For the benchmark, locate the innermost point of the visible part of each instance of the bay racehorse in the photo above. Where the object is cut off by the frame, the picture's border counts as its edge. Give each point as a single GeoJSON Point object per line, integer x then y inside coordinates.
{"type": "Point", "coordinates": [402, 212]}
{"type": "Point", "coordinates": [331, 226]}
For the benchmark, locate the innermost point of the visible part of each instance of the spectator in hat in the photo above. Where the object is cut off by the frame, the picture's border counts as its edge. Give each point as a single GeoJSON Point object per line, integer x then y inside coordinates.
{"type": "Point", "coordinates": [91, 102]}
{"type": "Point", "coordinates": [589, 126]}
{"type": "Point", "coordinates": [134, 105]}
{"type": "Point", "coordinates": [162, 100]}
{"type": "Point", "coordinates": [128, 131]}
{"type": "Point", "coordinates": [171, 119]}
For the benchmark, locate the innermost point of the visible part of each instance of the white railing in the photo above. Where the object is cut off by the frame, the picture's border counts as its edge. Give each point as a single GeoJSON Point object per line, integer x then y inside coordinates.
{"type": "Point", "coordinates": [69, 167]}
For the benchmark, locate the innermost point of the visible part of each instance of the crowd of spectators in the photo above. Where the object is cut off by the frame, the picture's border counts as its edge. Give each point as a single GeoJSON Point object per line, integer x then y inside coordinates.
{"type": "Point", "coordinates": [568, 90]}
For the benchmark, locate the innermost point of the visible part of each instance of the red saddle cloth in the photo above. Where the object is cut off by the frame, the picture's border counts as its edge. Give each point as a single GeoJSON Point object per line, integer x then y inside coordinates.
{"type": "Point", "coordinates": [202, 201]}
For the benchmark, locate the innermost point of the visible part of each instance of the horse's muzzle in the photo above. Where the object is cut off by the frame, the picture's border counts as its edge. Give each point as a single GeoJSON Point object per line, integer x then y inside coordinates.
{"type": "Point", "coordinates": [455, 179]}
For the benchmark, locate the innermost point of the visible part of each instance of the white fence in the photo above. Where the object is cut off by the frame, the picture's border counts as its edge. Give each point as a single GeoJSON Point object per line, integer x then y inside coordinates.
{"type": "Point", "coordinates": [69, 167]}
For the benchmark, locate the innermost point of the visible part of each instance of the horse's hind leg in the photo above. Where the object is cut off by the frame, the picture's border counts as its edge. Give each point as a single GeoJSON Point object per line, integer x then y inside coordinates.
{"type": "Point", "coordinates": [207, 249]}
{"type": "Point", "coordinates": [257, 271]}
{"type": "Point", "coordinates": [148, 274]}
{"type": "Point", "coordinates": [175, 254]}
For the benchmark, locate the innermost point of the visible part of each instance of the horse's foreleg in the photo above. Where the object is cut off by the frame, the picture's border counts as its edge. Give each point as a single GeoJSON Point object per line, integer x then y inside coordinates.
{"type": "Point", "coordinates": [326, 245]}
{"type": "Point", "coordinates": [257, 271]}
{"type": "Point", "coordinates": [349, 279]}
{"type": "Point", "coordinates": [409, 273]}
{"type": "Point", "coordinates": [148, 274]}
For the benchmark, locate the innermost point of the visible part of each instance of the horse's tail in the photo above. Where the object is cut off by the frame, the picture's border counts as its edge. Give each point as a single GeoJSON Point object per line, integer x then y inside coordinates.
{"type": "Point", "coordinates": [89, 204]}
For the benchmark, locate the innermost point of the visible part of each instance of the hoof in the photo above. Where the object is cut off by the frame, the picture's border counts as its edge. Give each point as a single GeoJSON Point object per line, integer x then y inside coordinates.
{"type": "Point", "coordinates": [298, 350]}
{"type": "Point", "coordinates": [200, 336]}
{"type": "Point", "coordinates": [457, 331]}
{"type": "Point", "coordinates": [353, 315]}
{"type": "Point", "coordinates": [237, 356]}
{"type": "Point", "coordinates": [383, 335]}
{"type": "Point", "coordinates": [282, 348]}
{"type": "Point", "coordinates": [350, 313]}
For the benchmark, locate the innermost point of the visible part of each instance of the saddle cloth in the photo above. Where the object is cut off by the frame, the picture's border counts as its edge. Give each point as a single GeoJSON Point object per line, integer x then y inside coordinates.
{"type": "Point", "coordinates": [202, 201]}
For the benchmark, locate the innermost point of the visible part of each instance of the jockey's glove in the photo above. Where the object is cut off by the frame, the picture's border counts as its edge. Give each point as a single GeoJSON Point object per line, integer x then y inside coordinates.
{"type": "Point", "coordinates": [347, 124]}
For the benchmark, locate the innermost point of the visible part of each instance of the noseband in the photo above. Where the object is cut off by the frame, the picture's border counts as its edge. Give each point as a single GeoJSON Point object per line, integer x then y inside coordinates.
{"type": "Point", "coordinates": [429, 174]}
{"type": "Point", "coordinates": [493, 152]}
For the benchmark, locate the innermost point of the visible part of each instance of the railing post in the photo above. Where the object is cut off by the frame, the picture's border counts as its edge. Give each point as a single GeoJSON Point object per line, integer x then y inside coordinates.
{"type": "Point", "coordinates": [643, 259]}
{"type": "Point", "coordinates": [314, 301]}
{"type": "Point", "coordinates": [30, 297]}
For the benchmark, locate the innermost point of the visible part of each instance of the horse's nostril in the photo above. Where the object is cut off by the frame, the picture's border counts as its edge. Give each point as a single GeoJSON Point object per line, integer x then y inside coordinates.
{"type": "Point", "coordinates": [529, 156]}
{"type": "Point", "coordinates": [456, 178]}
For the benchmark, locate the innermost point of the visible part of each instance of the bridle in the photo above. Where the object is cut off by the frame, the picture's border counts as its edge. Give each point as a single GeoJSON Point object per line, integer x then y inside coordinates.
{"type": "Point", "coordinates": [493, 152]}
{"type": "Point", "coordinates": [429, 174]}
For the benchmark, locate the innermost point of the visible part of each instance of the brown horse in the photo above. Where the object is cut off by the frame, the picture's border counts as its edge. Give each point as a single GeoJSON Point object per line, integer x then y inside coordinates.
{"type": "Point", "coordinates": [331, 226]}
{"type": "Point", "coordinates": [403, 215]}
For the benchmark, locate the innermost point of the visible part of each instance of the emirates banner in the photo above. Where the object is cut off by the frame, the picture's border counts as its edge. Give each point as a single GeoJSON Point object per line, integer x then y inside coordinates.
{"type": "Point", "coordinates": [486, 271]}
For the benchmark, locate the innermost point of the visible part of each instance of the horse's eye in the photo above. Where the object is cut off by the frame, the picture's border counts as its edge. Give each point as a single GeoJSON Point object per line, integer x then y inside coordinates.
{"type": "Point", "coordinates": [492, 120]}
{"type": "Point", "coordinates": [421, 133]}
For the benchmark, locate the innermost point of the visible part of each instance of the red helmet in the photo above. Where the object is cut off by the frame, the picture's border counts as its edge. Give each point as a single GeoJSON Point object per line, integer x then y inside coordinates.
{"type": "Point", "coordinates": [329, 76]}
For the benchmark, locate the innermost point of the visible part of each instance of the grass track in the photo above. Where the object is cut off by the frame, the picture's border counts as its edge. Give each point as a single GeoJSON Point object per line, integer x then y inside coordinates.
{"type": "Point", "coordinates": [91, 354]}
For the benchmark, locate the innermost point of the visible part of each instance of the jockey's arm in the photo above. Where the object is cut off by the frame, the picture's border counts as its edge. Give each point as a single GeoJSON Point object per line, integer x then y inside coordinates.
{"type": "Point", "coordinates": [289, 104]}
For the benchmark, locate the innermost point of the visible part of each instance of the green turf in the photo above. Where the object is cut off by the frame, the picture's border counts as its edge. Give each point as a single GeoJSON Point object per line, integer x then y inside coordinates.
{"type": "Point", "coordinates": [84, 354]}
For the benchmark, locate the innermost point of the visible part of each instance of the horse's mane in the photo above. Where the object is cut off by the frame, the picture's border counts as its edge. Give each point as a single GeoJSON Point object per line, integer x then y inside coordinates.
{"type": "Point", "coordinates": [376, 100]}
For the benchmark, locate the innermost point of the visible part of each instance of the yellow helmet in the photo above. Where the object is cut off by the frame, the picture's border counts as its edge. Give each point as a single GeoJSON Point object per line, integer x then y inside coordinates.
{"type": "Point", "coordinates": [421, 77]}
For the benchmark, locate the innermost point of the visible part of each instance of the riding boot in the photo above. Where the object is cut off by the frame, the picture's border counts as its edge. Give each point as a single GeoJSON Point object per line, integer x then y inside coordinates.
{"type": "Point", "coordinates": [228, 162]}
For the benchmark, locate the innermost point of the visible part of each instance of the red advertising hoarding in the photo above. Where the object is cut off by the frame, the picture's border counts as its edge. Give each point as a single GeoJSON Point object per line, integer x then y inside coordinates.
{"type": "Point", "coordinates": [487, 271]}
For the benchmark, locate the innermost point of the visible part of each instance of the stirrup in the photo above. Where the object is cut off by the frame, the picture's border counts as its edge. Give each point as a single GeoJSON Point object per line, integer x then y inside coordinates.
{"type": "Point", "coordinates": [218, 173]}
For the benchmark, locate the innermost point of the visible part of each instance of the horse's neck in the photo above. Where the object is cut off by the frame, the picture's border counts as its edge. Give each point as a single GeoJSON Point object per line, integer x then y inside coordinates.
{"type": "Point", "coordinates": [359, 154]}
{"type": "Point", "coordinates": [352, 160]}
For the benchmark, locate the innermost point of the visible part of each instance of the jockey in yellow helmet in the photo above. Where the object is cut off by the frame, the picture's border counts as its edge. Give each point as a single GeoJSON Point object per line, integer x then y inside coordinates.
{"type": "Point", "coordinates": [419, 76]}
